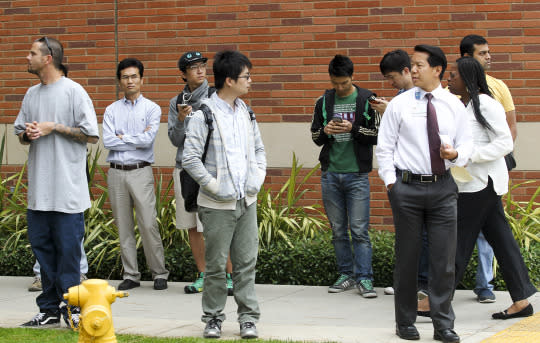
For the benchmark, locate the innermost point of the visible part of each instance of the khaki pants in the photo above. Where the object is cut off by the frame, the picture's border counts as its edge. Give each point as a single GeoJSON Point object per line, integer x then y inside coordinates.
{"type": "Point", "coordinates": [130, 189]}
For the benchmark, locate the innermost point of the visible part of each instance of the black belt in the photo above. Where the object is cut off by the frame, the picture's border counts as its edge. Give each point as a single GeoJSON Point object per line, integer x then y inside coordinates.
{"type": "Point", "coordinates": [407, 176]}
{"type": "Point", "coordinates": [130, 166]}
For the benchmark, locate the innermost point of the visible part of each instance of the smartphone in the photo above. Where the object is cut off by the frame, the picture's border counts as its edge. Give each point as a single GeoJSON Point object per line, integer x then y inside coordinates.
{"type": "Point", "coordinates": [337, 119]}
{"type": "Point", "coordinates": [373, 100]}
{"type": "Point", "coordinates": [182, 106]}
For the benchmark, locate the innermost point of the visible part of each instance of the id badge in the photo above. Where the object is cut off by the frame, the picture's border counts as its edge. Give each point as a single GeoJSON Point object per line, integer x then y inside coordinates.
{"type": "Point", "coordinates": [419, 109]}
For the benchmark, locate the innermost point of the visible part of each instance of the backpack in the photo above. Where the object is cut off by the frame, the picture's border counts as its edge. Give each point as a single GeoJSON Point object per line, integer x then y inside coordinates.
{"type": "Point", "coordinates": [190, 187]}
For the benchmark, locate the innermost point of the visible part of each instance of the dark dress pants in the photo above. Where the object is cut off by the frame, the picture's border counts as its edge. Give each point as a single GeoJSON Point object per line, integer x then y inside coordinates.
{"type": "Point", "coordinates": [433, 205]}
{"type": "Point", "coordinates": [483, 211]}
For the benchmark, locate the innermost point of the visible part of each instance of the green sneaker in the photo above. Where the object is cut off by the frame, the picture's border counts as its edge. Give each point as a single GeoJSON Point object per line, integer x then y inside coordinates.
{"type": "Point", "coordinates": [365, 287]}
{"type": "Point", "coordinates": [230, 287]}
{"type": "Point", "coordinates": [195, 287]}
{"type": "Point", "coordinates": [343, 283]}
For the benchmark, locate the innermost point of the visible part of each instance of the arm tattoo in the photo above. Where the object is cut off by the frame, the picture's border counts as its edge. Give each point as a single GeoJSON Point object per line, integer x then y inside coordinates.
{"type": "Point", "coordinates": [23, 138]}
{"type": "Point", "coordinates": [73, 133]}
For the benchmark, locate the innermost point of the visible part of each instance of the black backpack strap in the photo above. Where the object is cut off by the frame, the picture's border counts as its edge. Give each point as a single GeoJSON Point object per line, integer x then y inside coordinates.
{"type": "Point", "coordinates": [211, 90]}
{"type": "Point", "coordinates": [328, 105]}
{"type": "Point", "coordinates": [210, 123]}
{"type": "Point", "coordinates": [251, 114]}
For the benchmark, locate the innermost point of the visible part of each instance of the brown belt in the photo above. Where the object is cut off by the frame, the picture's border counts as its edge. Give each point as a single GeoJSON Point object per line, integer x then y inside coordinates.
{"type": "Point", "coordinates": [130, 166]}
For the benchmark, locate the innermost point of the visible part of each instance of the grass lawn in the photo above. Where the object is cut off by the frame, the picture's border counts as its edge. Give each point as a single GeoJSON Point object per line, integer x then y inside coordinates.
{"type": "Point", "coordinates": [20, 335]}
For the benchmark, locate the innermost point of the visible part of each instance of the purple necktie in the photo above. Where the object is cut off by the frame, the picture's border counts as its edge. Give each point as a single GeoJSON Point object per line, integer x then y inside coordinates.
{"type": "Point", "coordinates": [437, 163]}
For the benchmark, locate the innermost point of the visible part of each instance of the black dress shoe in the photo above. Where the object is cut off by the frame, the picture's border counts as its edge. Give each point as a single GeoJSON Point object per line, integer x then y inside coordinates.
{"type": "Point", "coordinates": [128, 284]}
{"type": "Point", "coordinates": [446, 335]}
{"type": "Point", "coordinates": [408, 332]}
{"type": "Point", "coordinates": [160, 284]}
{"type": "Point", "coordinates": [526, 312]}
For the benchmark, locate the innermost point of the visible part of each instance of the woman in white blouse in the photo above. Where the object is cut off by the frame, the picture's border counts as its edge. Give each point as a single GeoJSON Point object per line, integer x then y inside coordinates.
{"type": "Point", "coordinates": [479, 202]}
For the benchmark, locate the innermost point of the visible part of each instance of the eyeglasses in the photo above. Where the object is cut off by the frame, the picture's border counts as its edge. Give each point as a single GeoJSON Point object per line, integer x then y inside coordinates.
{"type": "Point", "coordinates": [130, 77]}
{"type": "Point", "coordinates": [47, 43]}
{"type": "Point", "coordinates": [197, 66]}
{"type": "Point", "coordinates": [247, 77]}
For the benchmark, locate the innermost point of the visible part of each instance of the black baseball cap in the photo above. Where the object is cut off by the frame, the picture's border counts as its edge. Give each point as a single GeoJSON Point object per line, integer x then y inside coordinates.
{"type": "Point", "coordinates": [190, 57]}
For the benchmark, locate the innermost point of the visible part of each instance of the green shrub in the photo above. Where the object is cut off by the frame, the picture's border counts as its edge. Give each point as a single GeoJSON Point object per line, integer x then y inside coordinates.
{"type": "Point", "coordinates": [383, 258]}
{"type": "Point", "coordinates": [17, 263]}
{"type": "Point", "coordinates": [309, 262]}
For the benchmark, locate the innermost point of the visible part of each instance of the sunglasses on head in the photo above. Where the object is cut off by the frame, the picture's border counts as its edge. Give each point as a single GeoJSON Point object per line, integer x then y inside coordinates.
{"type": "Point", "coordinates": [46, 40]}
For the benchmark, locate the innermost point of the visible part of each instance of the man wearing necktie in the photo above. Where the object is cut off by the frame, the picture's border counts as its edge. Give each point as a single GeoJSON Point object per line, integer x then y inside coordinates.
{"type": "Point", "coordinates": [423, 133]}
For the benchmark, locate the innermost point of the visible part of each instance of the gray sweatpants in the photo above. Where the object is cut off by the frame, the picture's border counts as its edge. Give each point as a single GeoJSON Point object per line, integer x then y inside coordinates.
{"type": "Point", "coordinates": [235, 231]}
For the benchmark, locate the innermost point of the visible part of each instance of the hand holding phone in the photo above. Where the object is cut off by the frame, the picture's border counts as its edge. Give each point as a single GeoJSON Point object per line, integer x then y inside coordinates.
{"type": "Point", "coordinates": [337, 119]}
{"type": "Point", "coordinates": [183, 111]}
{"type": "Point", "coordinates": [373, 100]}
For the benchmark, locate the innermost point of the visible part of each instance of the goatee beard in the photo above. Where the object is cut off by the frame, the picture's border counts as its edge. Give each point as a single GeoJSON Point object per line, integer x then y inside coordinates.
{"type": "Point", "coordinates": [32, 71]}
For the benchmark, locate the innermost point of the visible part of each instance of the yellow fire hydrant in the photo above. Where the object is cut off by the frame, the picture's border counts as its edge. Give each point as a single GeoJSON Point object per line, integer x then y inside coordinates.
{"type": "Point", "coordinates": [94, 297]}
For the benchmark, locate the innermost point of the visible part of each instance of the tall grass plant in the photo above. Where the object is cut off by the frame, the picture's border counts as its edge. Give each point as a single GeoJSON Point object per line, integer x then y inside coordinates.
{"type": "Point", "coordinates": [281, 217]}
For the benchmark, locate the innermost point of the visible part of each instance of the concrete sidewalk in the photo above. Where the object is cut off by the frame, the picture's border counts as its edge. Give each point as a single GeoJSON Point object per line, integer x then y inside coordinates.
{"type": "Point", "coordinates": [302, 313]}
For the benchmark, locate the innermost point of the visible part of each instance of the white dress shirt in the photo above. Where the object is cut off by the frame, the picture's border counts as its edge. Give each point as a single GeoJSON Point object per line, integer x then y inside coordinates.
{"type": "Point", "coordinates": [487, 159]}
{"type": "Point", "coordinates": [403, 140]}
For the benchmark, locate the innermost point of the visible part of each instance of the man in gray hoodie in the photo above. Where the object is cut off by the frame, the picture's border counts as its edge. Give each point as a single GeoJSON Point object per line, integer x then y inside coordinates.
{"type": "Point", "coordinates": [192, 66]}
{"type": "Point", "coordinates": [230, 178]}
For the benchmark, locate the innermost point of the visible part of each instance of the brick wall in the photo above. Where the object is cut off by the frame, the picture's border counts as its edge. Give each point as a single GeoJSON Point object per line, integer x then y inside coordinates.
{"type": "Point", "coordinates": [290, 43]}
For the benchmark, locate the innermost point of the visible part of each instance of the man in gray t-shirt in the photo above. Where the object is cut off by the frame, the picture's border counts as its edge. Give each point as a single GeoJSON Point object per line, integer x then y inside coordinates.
{"type": "Point", "coordinates": [57, 119]}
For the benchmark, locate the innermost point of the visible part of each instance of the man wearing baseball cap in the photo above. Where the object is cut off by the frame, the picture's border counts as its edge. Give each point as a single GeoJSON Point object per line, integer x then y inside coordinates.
{"type": "Point", "coordinates": [192, 67]}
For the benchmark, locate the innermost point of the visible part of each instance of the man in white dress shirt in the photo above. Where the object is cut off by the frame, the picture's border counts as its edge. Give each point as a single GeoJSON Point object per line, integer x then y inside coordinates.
{"type": "Point", "coordinates": [423, 133]}
{"type": "Point", "coordinates": [130, 126]}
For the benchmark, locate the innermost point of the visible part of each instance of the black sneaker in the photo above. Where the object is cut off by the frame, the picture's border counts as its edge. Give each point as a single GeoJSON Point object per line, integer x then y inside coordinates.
{"type": "Point", "coordinates": [213, 328]}
{"type": "Point", "coordinates": [43, 320]}
{"type": "Point", "coordinates": [71, 315]}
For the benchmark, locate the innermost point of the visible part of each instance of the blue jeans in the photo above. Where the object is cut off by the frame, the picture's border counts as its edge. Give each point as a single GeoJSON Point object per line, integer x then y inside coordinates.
{"type": "Point", "coordinates": [346, 202]}
{"type": "Point", "coordinates": [83, 264]}
{"type": "Point", "coordinates": [56, 238]}
{"type": "Point", "coordinates": [484, 271]}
